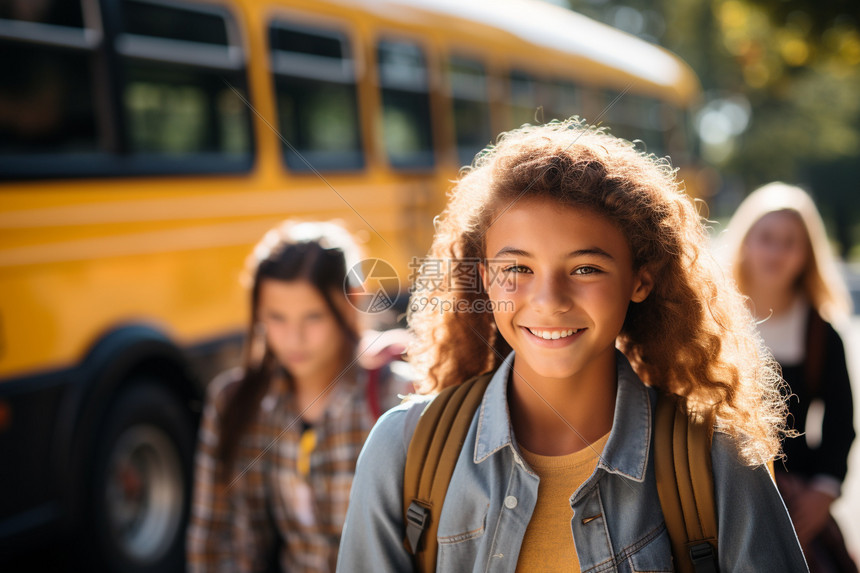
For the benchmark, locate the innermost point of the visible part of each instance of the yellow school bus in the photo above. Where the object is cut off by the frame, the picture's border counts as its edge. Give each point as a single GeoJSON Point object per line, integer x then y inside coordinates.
{"type": "Point", "coordinates": [145, 145]}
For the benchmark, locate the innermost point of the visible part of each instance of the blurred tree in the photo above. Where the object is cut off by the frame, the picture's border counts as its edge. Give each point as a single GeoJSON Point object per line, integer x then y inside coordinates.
{"type": "Point", "coordinates": [795, 64]}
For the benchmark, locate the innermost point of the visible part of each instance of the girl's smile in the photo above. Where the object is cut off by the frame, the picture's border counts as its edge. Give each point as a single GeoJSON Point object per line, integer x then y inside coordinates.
{"type": "Point", "coordinates": [598, 291]}
{"type": "Point", "coordinates": [554, 337]}
{"type": "Point", "coordinates": [562, 279]}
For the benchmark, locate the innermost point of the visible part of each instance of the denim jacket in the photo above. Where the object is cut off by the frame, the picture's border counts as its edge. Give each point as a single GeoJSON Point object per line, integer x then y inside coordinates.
{"type": "Point", "coordinates": [617, 523]}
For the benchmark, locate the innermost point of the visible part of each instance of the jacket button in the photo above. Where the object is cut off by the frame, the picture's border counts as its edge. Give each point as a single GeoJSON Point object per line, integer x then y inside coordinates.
{"type": "Point", "coordinates": [510, 502]}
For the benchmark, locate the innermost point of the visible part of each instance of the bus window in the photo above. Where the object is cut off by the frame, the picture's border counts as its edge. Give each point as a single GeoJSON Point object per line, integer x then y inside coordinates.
{"type": "Point", "coordinates": [181, 65]}
{"type": "Point", "coordinates": [650, 125]}
{"type": "Point", "coordinates": [46, 90]}
{"type": "Point", "coordinates": [315, 89]}
{"type": "Point", "coordinates": [523, 99]}
{"type": "Point", "coordinates": [615, 113]}
{"type": "Point", "coordinates": [566, 100]}
{"type": "Point", "coordinates": [680, 137]}
{"type": "Point", "coordinates": [406, 124]}
{"type": "Point", "coordinates": [635, 117]}
{"type": "Point", "coordinates": [470, 103]}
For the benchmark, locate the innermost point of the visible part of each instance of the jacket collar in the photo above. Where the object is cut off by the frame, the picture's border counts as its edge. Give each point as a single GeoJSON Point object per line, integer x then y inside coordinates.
{"type": "Point", "coordinates": [626, 451]}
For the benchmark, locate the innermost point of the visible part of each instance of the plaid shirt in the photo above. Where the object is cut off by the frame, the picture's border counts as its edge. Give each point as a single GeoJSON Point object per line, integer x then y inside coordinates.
{"type": "Point", "coordinates": [235, 527]}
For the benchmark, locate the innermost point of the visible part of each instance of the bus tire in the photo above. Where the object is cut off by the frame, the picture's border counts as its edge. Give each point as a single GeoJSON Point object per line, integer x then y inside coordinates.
{"type": "Point", "coordinates": [141, 482]}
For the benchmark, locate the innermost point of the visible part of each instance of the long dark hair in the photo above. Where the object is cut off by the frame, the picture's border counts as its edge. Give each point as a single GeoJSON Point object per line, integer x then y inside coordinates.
{"type": "Point", "coordinates": [312, 252]}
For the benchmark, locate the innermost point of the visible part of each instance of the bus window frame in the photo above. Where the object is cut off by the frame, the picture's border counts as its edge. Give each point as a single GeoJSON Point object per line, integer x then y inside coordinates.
{"type": "Point", "coordinates": [556, 83]}
{"type": "Point", "coordinates": [202, 59]}
{"type": "Point", "coordinates": [431, 91]}
{"type": "Point", "coordinates": [468, 57]}
{"type": "Point", "coordinates": [286, 19]}
{"type": "Point", "coordinates": [628, 116]}
{"type": "Point", "coordinates": [114, 159]}
{"type": "Point", "coordinates": [90, 40]}
{"type": "Point", "coordinates": [535, 78]}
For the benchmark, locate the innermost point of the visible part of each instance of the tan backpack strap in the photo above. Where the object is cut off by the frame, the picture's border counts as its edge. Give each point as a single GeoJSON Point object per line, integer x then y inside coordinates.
{"type": "Point", "coordinates": [430, 461]}
{"type": "Point", "coordinates": [685, 483]}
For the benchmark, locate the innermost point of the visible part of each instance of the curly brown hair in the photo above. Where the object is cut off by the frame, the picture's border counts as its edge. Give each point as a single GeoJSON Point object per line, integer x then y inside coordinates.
{"type": "Point", "coordinates": [693, 335]}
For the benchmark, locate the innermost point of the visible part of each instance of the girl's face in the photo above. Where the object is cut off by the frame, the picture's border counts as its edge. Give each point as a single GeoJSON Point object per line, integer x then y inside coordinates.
{"type": "Point", "coordinates": [775, 251]}
{"type": "Point", "coordinates": [301, 329]}
{"type": "Point", "coordinates": [561, 280]}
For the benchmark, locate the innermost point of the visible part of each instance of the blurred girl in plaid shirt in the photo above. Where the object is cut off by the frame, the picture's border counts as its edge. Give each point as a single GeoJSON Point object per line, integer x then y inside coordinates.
{"type": "Point", "coordinates": [280, 436]}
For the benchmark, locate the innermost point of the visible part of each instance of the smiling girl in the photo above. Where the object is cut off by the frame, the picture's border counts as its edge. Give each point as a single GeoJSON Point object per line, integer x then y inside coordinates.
{"type": "Point", "coordinates": [782, 260]}
{"type": "Point", "coordinates": [602, 292]}
{"type": "Point", "coordinates": [280, 435]}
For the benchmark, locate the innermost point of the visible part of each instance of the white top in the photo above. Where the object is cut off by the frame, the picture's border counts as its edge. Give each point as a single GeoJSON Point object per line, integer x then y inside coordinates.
{"type": "Point", "coordinates": [784, 334]}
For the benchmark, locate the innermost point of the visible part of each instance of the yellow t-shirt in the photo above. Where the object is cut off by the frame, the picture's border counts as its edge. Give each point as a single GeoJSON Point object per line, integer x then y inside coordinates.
{"type": "Point", "coordinates": [548, 542]}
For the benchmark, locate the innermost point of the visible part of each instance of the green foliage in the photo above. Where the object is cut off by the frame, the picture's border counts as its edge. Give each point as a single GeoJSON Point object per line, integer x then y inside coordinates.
{"type": "Point", "coordinates": [797, 62]}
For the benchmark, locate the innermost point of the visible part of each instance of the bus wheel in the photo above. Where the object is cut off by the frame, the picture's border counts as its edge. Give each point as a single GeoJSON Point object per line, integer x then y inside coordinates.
{"type": "Point", "coordinates": [141, 485]}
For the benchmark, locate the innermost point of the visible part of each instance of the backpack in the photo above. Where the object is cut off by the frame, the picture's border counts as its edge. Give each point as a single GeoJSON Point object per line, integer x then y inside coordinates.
{"type": "Point", "coordinates": [682, 462]}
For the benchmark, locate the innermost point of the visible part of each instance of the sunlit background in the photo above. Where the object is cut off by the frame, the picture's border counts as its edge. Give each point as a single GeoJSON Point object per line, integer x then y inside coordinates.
{"type": "Point", "coordinates": [781, 80]}
{"type": "Point", "coordinates": [145, 146]}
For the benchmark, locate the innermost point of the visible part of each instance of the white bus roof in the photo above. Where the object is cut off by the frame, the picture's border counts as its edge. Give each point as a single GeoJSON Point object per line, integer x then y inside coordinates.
{"type": "Point", "coordinates": [547, 25]}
